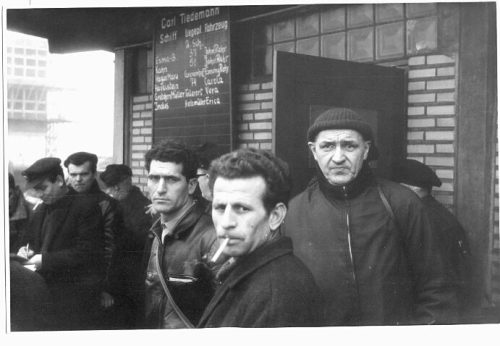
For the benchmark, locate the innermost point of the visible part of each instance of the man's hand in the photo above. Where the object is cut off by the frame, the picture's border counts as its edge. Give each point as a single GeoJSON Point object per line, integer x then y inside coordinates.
{"type": "Point", "coordinates": [25, 252]}
{"type": "Point", "coordinates": [107, 300]}
{"type": "Point", "coordinates": [36, 260]}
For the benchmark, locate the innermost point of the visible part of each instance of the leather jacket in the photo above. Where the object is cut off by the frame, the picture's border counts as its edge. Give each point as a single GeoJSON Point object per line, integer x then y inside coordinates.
{"type": "Point", "coordinates": [183, 258]}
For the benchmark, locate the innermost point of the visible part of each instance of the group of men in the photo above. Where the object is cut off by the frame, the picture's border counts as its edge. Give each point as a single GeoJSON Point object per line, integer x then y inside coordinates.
{"type": "Point", "coordinates": [374, 253]}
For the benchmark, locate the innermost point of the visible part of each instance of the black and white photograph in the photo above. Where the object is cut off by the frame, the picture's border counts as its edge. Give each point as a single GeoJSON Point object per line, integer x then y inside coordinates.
{"type": "Point", "coordinates": [217, 172]}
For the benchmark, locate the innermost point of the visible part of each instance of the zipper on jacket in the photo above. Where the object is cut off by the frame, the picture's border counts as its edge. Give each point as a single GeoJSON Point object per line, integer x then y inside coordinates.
{"type": "Point", "coordinates": [349, 239]}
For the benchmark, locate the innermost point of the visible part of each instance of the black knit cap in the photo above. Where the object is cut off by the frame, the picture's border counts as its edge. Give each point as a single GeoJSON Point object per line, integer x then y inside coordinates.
{"type": "Point", "coordinates": [41, 169]}
{"type": "Point", "coordinates": [415, 173]}
{"type": "Point", "coordinates": [115, 173]}
{"type": "Point", "coordinates": [343, 119]}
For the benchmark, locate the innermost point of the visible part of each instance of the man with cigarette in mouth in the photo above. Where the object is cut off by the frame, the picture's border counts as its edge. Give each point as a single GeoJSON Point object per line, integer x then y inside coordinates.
{"type": "Point", "coordinates": [262, 284]}
{"type": "Point", "coordinates": [182, 241]}
{"type": "Point", "coordinates": [64, 243]}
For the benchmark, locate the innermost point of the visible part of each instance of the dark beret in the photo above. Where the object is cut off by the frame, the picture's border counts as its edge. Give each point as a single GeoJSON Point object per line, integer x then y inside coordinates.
{"type": "Point", "coordinates": [80, 158]}
{"type": "Point", "coordinates": [415, 173]}
{"type": "Point", "coordinates": [41, 169]}
{"type": "Point", "coordinates": [115, 173]}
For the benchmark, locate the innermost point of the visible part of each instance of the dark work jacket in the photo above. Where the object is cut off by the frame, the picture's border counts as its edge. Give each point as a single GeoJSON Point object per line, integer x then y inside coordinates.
{"type": "Point", "coordinates": [127, 277]}
{"type": "Point", "coordinates": [269, 287]}
{"type": "Point", "coordinates": [453, 240]}
{"type": "Point", "coordinates": [111, 224]}
{"type": "Point", "coordinates": [371, 269]}
{"type": "Point", "coordinates": [184, 252]}
{"type": "Point", "coordinates": [68, 235]}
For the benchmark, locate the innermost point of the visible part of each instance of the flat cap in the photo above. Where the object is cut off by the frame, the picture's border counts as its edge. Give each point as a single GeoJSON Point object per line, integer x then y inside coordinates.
{"type": "Point", "coordinates": [115, 173]}
{"type": "Point", "coordinates": [415, 173]}
{"type": "Point", "coordinates": [41, 169]}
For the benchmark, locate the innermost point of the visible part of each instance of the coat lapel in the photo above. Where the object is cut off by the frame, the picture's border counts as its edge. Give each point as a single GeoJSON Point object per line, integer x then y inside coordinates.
{"type": "Point", "coordinates": [55, 222]}
{"type": "Point", "coordinates": [245, 267]}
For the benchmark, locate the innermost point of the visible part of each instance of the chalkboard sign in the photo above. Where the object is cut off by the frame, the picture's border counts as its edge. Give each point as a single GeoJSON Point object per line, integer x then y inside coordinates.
{"type": "Point", "coordinates": [192, 80]}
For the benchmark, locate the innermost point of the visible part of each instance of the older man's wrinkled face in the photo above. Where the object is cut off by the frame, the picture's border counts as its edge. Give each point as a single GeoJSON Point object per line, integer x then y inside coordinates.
{"type": "Point", "coordinates": [340, 154]}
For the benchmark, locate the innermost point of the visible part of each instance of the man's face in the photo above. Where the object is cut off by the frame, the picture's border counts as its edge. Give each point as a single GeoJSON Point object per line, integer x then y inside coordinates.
{"type": "Point", "coordinates": [340, 154]}
{"type": "Point", "coordinates": [168, 188]}
{"type": "Point", "coordinates": [238, 213]}
{"type": "Point", "coordinates": [49, 192]}
{"type": "Point", "coordinates": [81, 177]}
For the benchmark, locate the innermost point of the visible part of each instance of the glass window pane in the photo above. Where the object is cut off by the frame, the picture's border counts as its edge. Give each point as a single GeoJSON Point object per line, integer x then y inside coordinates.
{"type": "Point", "coordinates": [30, 72]}
{"type": "Point", "coordinates": [19, 72]}
{"type": "Point", "coordinates": [284, 30]}
{"type": "Point", "coordinates": [421, 35]}
{"type": "Point", "coordinates": [263, 60]}
{"type": "Point", "coordinates": [31, 62]}
{"type": "Point", "coordinates": [359, 15]}
{"type": "Point", "coordinates": [30, 52]}
{"type": "Point", "coordinates": [286, 47]}
{"type": "Point", "coordinates": [333, 46]}
{"type": "Point", "coordinates": [423, 9]}
{"type": "Point", "coordinates": [309, 46]}
{"type": "Point", "coordinates": [263, 34]}
{"type": "Point", "coordinates": [388, 12]}
{"type": "Point", "coordinates": [333, 20]}
{"type": "Point", "coordinates": [360, 43]}
{"type": "Point", "coordinates": [390, 40]}
{"type": "Point", "coordinates": [19, 61]}
{"type": "Point", "coordinates": [308, 25]}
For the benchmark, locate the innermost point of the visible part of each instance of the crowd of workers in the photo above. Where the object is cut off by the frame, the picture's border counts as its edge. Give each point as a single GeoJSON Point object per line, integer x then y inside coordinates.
{"type": "Point", "coordinates": [217, 244]}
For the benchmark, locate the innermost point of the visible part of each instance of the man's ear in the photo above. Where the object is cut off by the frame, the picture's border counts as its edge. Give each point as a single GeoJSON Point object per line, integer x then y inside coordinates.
{"type": "Point", "coordinates": [277, 216]}
{"type": "Point", "coordinates": [312, 147]}
{"type": "Point", "coordinates": [60, 180]}
{"type": "Point", "coordinates": [192, 183]}
{"type": "Point", "coordinates": [367, 149]}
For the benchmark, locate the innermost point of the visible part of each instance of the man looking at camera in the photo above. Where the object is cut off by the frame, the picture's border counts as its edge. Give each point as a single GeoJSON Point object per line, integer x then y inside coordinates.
{"type": "Point", "coordinates": [178, 282]}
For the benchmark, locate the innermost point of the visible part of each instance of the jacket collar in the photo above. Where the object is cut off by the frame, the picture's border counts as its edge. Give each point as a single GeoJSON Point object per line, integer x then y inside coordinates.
{"type": "Point", "coordinates": [364, 179]}
{"type": "Point", "coordinates": [184, 223]}
{"type": "Point", "coordinates": [245, 266]}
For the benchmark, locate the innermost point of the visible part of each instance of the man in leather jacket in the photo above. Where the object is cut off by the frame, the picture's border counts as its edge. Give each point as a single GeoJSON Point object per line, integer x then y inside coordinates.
{"type": "Point", "coordinates": [368, 241]}
{"type": "Point", "coordinates": [178, 279]}
{"type": "Point", "coordinates": [82, 179]}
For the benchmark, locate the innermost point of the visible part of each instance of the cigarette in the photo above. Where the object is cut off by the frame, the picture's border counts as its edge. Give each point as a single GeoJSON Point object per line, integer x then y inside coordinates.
{"type": "Point", "coordinates": [219, 250]}
{"type": "Point", "coordinates": [37, 204]}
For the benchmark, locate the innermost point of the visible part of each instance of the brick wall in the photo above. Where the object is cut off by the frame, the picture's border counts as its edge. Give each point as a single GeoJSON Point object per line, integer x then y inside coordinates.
{"type": "Point", "coordinates": [140, 137]}
{"type": "Point", "coordinates": [254, 113]}
{"type": "Point", "coordinates": [432, 118]}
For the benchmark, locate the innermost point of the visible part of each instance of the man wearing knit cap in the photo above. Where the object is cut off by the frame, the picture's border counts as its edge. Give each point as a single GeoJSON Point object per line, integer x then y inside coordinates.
{"type": "Point", "coordinates": [63, 244]}
{"type": "Point", "coordinates": [374, 266]}
{"type": "Point", "coordinates": [420, 178]}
